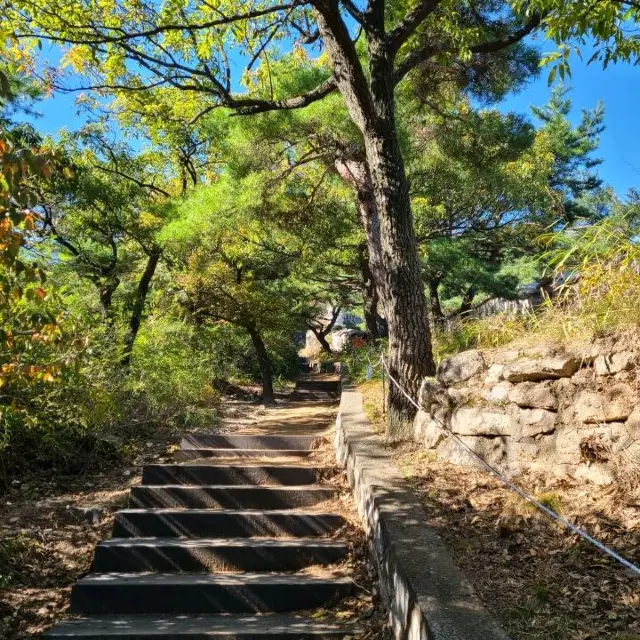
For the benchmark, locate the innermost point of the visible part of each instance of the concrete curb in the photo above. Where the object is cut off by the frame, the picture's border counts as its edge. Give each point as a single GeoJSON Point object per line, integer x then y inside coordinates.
{"type": "Point", "coordinates": [427, 595]}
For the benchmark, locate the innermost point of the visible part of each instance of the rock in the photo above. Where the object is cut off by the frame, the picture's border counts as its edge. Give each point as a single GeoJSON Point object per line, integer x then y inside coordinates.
{"type": "Point", "coordinates": [492, 450]}
{"type": "Point", "coordinates": [525, 451]}
{"type": "Point", "coordinates": [614, 363]}
{"type": "Point", "coordinates": [503, 356]}
{"type": "Point", "coordinates": [564, 387]}
{"type": "Point", "coordinates": [474, 421]}
{"type": "Point", "coordinates": [537, 421]}
{"type": "Point", "coordinates": [613, 405]}
{"type": "Point", "coordinates": [528, 369]}
{"type": "Point", "coordinates": [587, 353]}
{"type": "Point", "coordinates": [460, 367]}
{"type": "Point", "coordinates": [419, 425]}
{"type": "Point", "coordinates": [80, 515]}
{"type": "Point", "coordinates": [625, 376]}
{"type": "Point", "coordinates": [461, 395]}
{"type": "Point", "coordinates": [597, 473]}
{"type": "Point", "coordinates": [432, 393]}
{"type": "Point", "coordinates": [433, 434]}
{"type": "Point", "coordinates": [576, 446]}
{"type": "Point", "coordinates": [494, 375]}
{"type": "Point", "coordinates": [539, 351]}
{"type": "Point", "coordinates": [534, 396]}
{"type": "Point", "coordinates": [499, 392]}
{"type": "Point", "coordinates": [633, 423]}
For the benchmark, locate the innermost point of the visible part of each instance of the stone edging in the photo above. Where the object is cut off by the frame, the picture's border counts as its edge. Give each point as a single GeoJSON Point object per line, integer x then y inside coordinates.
{"type": "Point", "coordinates": [427, 595]}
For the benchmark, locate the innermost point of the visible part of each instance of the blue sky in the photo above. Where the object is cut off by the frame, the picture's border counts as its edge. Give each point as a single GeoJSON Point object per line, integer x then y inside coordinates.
{"type": "Point", "coordinates": [618, 87]}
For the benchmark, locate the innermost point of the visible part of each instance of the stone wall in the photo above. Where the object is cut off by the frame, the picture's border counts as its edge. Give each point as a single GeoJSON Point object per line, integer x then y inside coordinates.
{"type": "Point", "coordinates": [427, 596]}
{"type": "Point", "coordinates": [563, 411]}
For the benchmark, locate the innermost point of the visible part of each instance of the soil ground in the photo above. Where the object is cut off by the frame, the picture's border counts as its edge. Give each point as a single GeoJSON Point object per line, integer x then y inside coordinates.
{"type": "Point", "coordinates": [538, 580]}
{"type": "Point", "coordinates": [47, 540]}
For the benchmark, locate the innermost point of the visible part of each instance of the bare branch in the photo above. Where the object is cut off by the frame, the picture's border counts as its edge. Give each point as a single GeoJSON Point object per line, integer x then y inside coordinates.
{"type": "Point", "coordinates": [353, 11]}
{"type": "Point", "coordinates": [248, 106]}
{"type": "Point", "coordinates": [413, 20]}
{"type": "Point", "coordinates": [95, 37]}
{"type": "Point", "coordinates": [416, 57]}
{"type": "Point", "coordinates": [144, 185]}
{"type": "Point", "coordinates": [507, 41]}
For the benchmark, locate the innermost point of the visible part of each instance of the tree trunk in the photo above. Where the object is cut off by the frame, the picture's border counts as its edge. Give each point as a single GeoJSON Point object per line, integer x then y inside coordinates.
{"type": "Point", "coordinates": [393, 261]}
{"type": "Point", "coordinates": [436, 307]}
{"type": "Point", "coordinates": [138, 306]}
{"type": "Point", "coordinates": [106, 289]}
{"type": "Point", "coordinates": [322, 339]}
{"type": "Point", "coordinates": [268, 397]}
{"type": "Point", "coordinates": [402, 290]}
{"type": "Point", "coordinates": [376, 324]}
{"type": "Point", "coordinates": [371, 105]}
{"type": "Point", "coordinates": [467, 301]}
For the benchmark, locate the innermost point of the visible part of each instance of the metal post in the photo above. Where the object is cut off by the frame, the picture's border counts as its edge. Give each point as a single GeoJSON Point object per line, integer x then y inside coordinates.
{"type": "Point", "coordinates": [384, 388]}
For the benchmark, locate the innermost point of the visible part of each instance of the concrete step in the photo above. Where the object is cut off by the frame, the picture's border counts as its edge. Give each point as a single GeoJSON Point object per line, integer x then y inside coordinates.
{"type": "Point", "coordinates": [244, 554]}
{"type": "Point", "coordinates": [195, 627]}
{"type": "Point", "coordinates": [164, 593]}
{"type": "Point", "coordinates": [224, 497]}
{"type": "Point", "coordinates": [162, 474]}
{"type": "Point", "coordinates": [184, 455]}
{"type": "Point", "coordinates": [249, 441]}
{"type": "Point", "coordinates": [202, 523]}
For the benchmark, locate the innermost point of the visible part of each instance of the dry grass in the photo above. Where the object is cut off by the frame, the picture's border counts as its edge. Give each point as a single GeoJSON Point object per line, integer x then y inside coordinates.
{"type": "Point", "coordinates": [601, 266]}
{"type": "Point", "coordinates": [539, 581]}
{"type": "Point", "coordinates": [373, 404]}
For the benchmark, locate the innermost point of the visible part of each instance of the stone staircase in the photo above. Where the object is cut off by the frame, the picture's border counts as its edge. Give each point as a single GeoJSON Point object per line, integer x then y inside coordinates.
{"type": "Point", "coordinates": [219, 544]}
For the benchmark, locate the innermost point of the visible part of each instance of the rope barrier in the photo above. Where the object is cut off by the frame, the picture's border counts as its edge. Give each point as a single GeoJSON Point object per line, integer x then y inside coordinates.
{"type": "Point", "coordinates": [514, 487]}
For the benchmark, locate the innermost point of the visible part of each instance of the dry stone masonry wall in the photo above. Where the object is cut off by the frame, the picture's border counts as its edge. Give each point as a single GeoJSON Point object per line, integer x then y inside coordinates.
{"type": "Point", "coordinates": [562, 411]}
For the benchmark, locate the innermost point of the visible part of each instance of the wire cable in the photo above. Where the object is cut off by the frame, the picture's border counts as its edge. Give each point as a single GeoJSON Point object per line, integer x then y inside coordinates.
{"type": "Point", "coordinates": [514, 487]}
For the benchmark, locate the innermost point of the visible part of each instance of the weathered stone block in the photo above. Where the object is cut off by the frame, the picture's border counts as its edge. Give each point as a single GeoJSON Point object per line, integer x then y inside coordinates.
{"type": "Point", "coordinates": [462, 395]}
{"type": "Point", "coordinates": [541, 369]}
{"type": "Point", "coordinates": [633, 423]}
{"type": "Point", "coordinates": [524, 452]}
{"type": "Point", "coordinates": [474, 421]}
{"type": "Point", "coordinates": [613, 405]}
{"type": "Point", "coordinates": [596, 473]}
{"type": "Point", "coordinates": [494, 374]}
{"type": "Point", "coordinates": [499, 392]}
{"type": "Point", "coordinates": [537, 421]}
{"type": "Point", "coordinates": [571, 442]}
{"type": "Point", "coordinates": [460, 367]}
{"type": "Point", "coordinates": [491, 450]}
{"type": "Point", "coordinates": [614, 363]}
{"type": "Point", "coordinates": [427, 431]}
{"type": "Point", "coordinates": [432, 393]}
{"type": "Point", "coordinates": [533, 395]}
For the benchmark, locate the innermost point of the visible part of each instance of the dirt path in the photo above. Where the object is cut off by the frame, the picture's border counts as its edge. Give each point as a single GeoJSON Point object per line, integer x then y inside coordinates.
{"type": "Point", "coordinates": [49, 525]}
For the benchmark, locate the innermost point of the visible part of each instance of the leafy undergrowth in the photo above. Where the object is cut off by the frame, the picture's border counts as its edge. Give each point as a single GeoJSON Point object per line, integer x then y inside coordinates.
{"type": "Point", "coordinates": [47, 541]}
{"type": "Point", "coordinates": [49, 526]}
{"type": "Point", "coordinates": [373, 404]}
{"type": "Point", "coordinates": [539, 581]}
{"type": "Point", "coordinates": [598, 265]}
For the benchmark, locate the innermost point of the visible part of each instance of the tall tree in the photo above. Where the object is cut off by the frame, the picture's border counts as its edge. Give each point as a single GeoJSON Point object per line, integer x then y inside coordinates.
{"type": "Point", "coordinates": [102, 219]}
{"type": "Point", "coordinates": [370, 49]}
